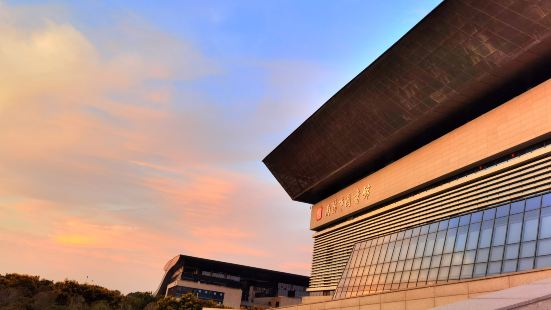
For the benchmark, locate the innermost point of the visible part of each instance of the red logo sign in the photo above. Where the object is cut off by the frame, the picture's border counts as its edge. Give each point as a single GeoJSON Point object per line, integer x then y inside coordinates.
{"type": "Point", "coordinates": [319, 213]}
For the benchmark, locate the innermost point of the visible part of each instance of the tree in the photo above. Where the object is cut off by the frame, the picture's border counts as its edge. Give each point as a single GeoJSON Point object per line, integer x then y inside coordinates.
{"type": "Point", "coordinates": [24, 292]}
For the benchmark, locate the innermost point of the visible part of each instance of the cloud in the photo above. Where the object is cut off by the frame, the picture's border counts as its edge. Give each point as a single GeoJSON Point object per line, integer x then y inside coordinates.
{"type": "Point", "coordinates": [62, 118]}
{"type": "Point", "coordinates": [104, 162]}
{"type": "Point", "coordinates": [75, 239]}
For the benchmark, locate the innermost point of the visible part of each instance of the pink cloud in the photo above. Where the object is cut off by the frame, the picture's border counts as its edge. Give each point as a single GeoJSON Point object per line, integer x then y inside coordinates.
{"type": "Point", "coordinates": [108, 176]}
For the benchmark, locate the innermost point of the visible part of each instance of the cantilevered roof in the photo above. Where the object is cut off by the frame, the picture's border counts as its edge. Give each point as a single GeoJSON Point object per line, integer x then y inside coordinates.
{"type": "Point", "coordinates": [463, 59]}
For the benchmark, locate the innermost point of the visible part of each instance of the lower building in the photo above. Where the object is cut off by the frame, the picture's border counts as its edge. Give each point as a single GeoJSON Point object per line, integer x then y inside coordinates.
{"type": "Point", "coordinates": [231, 285]}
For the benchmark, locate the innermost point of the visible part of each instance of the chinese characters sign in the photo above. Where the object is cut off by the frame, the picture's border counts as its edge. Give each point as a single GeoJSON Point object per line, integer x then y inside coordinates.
{"type": "Point", "coordinates": [341, 203]}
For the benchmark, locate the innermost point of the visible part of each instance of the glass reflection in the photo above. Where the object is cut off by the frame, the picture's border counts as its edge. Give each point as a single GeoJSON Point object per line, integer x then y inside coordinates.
{"type": "Point", "coordinates": [508, 238]}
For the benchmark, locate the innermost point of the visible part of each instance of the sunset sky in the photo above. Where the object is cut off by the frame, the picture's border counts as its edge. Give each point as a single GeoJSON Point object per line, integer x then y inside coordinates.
{"type": "Point", "coordinates": [133, 131]}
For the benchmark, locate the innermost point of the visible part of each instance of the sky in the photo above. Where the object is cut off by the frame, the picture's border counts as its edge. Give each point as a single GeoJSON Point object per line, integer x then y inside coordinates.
{"type": "Point", "coordinates": [133, 131]}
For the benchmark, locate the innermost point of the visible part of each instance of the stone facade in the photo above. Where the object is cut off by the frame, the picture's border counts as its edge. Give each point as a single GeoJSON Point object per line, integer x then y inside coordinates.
{"type": "Point", "coordinates": [514, 123]}
{"type": "Point", "coordinates": [434, 296]}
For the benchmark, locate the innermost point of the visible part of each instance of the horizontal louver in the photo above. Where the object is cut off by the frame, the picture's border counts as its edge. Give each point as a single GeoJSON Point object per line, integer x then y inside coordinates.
{"type": "Point", "coordinates": [332, 247]}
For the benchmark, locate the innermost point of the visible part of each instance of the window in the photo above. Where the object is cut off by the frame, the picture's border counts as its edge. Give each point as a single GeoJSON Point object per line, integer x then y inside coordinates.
{"type": "Point", "coordinates": [545, 227]}
{"type": "Point", "coordinates": [515, 225]}
{"type": "Point", "coordinates": [530, 231]}
{"type": "Point", "coordinates": [486, 233]}
{"type": "Point", "coordinates": [507, 238]}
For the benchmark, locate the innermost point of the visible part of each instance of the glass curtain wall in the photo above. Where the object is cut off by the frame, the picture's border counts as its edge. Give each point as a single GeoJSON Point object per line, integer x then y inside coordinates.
{"type": "Point", "coordinates": [507, 238]}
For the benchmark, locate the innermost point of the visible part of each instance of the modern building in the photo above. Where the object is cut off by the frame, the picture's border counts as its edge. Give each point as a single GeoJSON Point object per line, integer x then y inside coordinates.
{"type": "Point", "coordinates": [433, 165]}
{"type": "Point", "coordinates": [230, 284]}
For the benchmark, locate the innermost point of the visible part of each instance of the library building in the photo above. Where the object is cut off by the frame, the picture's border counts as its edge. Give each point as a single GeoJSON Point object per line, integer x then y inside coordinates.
{"type": "Point", "coordinates": [428, 175]}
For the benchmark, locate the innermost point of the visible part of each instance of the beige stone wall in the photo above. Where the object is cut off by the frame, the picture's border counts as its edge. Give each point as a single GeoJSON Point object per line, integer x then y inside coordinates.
{"type": "Point", "coordinates": [315, 299]}
{"type": "Point", "coordinates": [283, 301]}
{"type": "Point", "coordinates": [533, 295]}
{"type": "Point", "coordinates": [522, 119]}
{"type": "Point", "coordinates": [538, 305]}
{"type": "Point", "coordinates": [430, 296]}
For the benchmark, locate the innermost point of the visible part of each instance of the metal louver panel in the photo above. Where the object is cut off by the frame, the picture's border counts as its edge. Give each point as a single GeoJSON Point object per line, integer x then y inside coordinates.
{"type": "Point", "coordinates": [523, 176]}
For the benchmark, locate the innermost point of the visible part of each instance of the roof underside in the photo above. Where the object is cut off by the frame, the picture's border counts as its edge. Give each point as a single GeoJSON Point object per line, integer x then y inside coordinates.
{"type": "Point", "coordinates": [245, 271]}
{"type": "Point", "coordinates": [460, 61]}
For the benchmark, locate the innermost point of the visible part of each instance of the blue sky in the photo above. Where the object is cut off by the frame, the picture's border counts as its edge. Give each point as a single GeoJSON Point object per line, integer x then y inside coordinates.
{"type": "Point", "coordinates": [339, 38]}
{"type": "Point", "coordinates": [133, 131]}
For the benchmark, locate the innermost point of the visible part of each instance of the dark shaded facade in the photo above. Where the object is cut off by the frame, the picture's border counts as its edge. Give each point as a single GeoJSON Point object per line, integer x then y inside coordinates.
{"type": "Point", "coordinates": [215, 296]}
{"type": "Point", "coordinates": [253, 282]}
{"type": "Point", "coordinates": [463, 59]}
